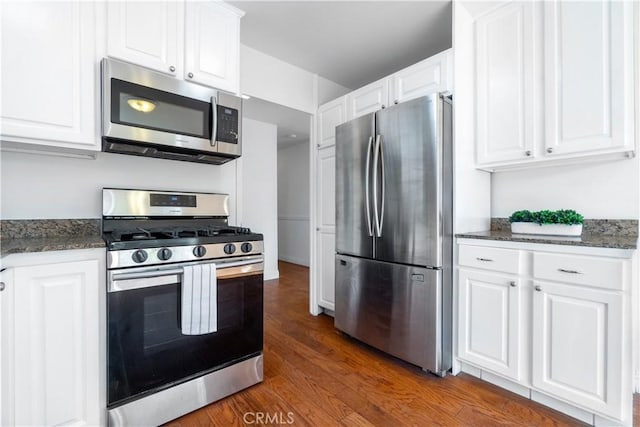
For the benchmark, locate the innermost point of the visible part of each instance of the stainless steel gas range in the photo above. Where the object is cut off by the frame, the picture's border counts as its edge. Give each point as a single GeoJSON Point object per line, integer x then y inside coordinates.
{"type": "Point", "coordinates": [184, 304]}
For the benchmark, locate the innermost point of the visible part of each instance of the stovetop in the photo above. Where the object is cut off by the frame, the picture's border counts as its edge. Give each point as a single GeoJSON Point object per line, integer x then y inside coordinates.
{"type": "Point", "coordinates": [149, 237]}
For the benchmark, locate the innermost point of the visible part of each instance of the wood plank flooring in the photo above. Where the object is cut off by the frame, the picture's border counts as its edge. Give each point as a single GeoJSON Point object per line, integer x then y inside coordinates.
{"type": "Point", "coordinates": [316, 376]}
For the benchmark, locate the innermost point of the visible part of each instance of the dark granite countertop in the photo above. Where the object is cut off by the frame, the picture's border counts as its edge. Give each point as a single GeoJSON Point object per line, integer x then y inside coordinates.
{"type": "Point", "coordinates": [22, 236]}
{"type": "Point", "coordinates": [616, 234]}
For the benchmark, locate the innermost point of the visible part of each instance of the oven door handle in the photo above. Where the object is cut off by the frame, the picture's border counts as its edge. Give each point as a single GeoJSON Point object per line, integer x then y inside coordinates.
{"type": "Point", "coordinates": [146, 274]}
{"type": "Point", "coordinates": [149, 278]}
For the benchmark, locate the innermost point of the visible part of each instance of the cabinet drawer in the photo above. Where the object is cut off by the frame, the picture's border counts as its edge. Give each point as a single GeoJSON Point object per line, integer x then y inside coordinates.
{"type": "Point", "coordinates": [505, 260]}
{"type": "Point", "coordinates": [584, 270]}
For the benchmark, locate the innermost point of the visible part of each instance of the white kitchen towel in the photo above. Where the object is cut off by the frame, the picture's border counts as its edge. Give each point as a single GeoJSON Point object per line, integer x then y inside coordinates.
{"type": "Point", "coordinates": [199, 299]}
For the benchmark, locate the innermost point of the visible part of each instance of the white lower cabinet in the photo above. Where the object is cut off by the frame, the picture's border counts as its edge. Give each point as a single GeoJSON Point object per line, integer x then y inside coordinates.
{"type": "Point", "coordinates": [490, 321]}
{"type": "Point", "coordinates": [52, 367]}
{"type": "Point", "coordinates": [577, 345]}
{"type": "Point", "coordinates": [557, 325]}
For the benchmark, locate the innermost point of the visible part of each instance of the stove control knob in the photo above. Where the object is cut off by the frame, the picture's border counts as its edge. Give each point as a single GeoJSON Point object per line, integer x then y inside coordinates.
{"type": "Point", "coordinates": [246, 247]}
{"type": "Point", "coordinates": [139, 256]}
{"type": "Point", "coordinates": [199, 251]}
{"type": "Point", "coordinates": [229, 248]}
{"type": "Point", "coordinates": [164, 254]}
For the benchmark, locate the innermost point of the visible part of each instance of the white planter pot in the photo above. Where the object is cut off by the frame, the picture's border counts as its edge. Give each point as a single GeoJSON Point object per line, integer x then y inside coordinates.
{"type": "Point", "coordinates": [546, 229]}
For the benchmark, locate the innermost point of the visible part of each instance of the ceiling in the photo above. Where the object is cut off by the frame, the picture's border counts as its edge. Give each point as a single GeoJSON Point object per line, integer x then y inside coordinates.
{"type": "Point", "coordinates": [352, 43]}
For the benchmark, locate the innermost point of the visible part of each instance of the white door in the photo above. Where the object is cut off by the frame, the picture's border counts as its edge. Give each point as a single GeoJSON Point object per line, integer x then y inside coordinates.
{"type": "Point", "coordinates": [490, 322]}
{"type": "Point", "coordinates": [368, 99]}
{"type": "Point", "coordinates": [212, 45]}
{"type": "Point", "coordinates": [506, 69]}
{"type": "Point", "coordinates": [49, 73]}
{"type": "Point", "coordinates": [56, 348]}
{"type": "Point", "coordinates": [424, 78]}
{"type": "Point", "coordinates": [146, 33]}
{"type": "Point", "coordinates": [577, 346]}
{"type": "Point", "coordinates": [330, 115]}
{"type": "Point", "coordinates": [326, 227]}
{"type": "Point", "coordinates": [588, 76]}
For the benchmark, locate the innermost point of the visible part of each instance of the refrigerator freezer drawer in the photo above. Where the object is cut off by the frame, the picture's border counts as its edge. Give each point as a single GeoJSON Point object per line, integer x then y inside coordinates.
{"type": "Point", "coordinates": [395, 308]}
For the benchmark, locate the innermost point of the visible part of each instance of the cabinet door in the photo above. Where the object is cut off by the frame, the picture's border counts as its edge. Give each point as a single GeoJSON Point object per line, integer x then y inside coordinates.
{"type": "Point", "coordinates": [6, 343]}
{"type": "Point", "coordinates": [505, 78]}
{"type": "Point", "coordinates": [588, 76]}
{"type": "Point", "coordinates": [146, 33]}
{"type": "Point", "coordinates": [326, 227]}
{"type": "Point", "coordinates": [56, 351]}
{"type": "Point", "coordinates": [424, 78]}
{"type": "Point", "coordinates": [212, 45]}
{"type": "Point", "coordinates": [49, 72]}
{"type": "Point", "coordinates": [368, 99]}
{"type": "Point", "coordinates": [577, 346]}
{"type": "Point", "coordinates": [490, 322]}
{"type": "Point", "coordinates": [330, 115]}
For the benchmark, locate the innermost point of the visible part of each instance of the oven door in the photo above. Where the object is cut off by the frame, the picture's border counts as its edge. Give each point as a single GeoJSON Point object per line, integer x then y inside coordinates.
{"type": "Point", "coordinates": [146, 348]}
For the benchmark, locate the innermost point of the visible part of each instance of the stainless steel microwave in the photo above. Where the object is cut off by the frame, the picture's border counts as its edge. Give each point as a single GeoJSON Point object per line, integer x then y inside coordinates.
{"type": "Point", "coordinates": [146, 113]}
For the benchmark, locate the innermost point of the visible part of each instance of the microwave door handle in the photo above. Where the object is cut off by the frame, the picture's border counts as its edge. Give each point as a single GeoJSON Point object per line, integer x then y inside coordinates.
{"type": "Point", "coordinates": [214, 121]}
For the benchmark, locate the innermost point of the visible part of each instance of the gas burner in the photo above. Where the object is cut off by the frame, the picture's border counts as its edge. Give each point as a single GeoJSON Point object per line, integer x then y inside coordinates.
{"type": "Point", "coordinates": [176, 233]}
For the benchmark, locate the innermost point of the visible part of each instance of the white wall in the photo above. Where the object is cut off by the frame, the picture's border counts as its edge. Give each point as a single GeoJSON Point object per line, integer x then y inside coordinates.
{"type": "Point", "coordinates": [472, 210]}
{"type": "Point", "coordinates": [258, 181]}
{"type": "Point", "coordinates": [35, 186]}
{"type": "Point", "coordinates": [293, 203]}
{"type": "Point", "coordinates": [596, 189]}
{"type": "Point", "coordinates": [329, 90]}
{"type": "Point", "coordinates": [271, 79]}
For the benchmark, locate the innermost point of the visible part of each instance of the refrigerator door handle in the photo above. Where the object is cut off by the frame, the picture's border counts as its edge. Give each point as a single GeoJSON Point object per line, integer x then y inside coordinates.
{"type": "Point", "coordinates": [366, 188]}
{"type": "Point", "coordinates": [376, 157]}
{"type": "Point", "coordinates": [382, 179]}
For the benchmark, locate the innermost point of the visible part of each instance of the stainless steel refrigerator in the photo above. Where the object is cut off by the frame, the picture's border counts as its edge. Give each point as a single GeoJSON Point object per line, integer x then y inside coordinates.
{"type": "Point", "coordinates": [394, 201]}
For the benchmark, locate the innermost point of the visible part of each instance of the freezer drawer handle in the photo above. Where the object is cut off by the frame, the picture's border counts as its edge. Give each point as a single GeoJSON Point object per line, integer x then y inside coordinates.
{"type": "Point", "coordinates": [484, 259]}
{"type": "Point", "coordinates": [562, 270]}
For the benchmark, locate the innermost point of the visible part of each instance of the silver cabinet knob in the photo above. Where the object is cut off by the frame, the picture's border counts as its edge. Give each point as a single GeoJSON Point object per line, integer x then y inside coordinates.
{"type": "Point", "coordinates": [172, 68]}
{"type": "Point", "coordinates": [538, 288]}
{"type": "Point", "coordinates": [2, 286]}
{"type": "Point", "coordinates": [527, 153]}
{"type": "Point", "coordinates": [395, 102]}
{"type": "Point", "coordinates": [550, 150]}
{"type": "Point", "coordinates": [512, 284]}
{"type": "Point", "coordinates": [384, 106]}
{"type": "Point", "coordinates": [190, 75]}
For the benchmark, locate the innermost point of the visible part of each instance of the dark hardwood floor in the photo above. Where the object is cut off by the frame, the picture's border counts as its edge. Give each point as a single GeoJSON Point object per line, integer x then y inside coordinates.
{"type": "Point", "coordinates": [314, 375]}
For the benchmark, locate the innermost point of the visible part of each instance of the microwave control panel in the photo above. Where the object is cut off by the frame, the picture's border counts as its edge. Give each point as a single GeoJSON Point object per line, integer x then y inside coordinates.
{"type": "Point", "coordinates": [227, 125]}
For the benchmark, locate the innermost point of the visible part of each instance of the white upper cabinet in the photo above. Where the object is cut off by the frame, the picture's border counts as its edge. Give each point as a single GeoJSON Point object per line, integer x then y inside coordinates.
{"type": "Point", "coordinates": [554, 83]}
{"type": "Point", "coordinates": [505, 82]}
{"type": "Point", "coordinates": [330, 115]}
{"type": "Point", "coordinates": [146, 33]}
{"type": "Point", "coordinates": [431, 75]}
{"type": "Point", "coordinates": [197, 41]}
{"type": "Point", "coordinates": [588, 76]}
{"type": "Point", "coordinates": [49, 70]}
{"type": "Point", "coordinates": [368, 99]}
{"type": "Point", "coordinates": [212, 45]}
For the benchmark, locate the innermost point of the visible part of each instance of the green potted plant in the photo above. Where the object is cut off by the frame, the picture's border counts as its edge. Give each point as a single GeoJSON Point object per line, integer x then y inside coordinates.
{"type": "Point", "coordinates": [564, 222]}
